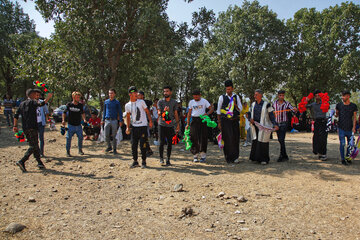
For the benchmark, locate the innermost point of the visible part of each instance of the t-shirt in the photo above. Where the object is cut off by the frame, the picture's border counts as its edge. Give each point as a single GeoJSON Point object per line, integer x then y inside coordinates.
{"type": "Point", "coordinates": [8, 104]}
{"type": "Point", "coordinates": [346, 113]}
{"type": "Point", "coordinates": [75, 112]}
{"type": "Point", "coordinates": [137, 111]}
{"type": "Point", "coordinates": [38, 114]}
{"type": "Point", "coordinates": [316, 110]}
{"type": "Point", "coordinates": [198, 107]}
{"type": "Point", "coordinates": [155, 114]}
{"type": "Point", "coordinates": [95, 122]}
{"type": "Point", "coordinates": [172, 108]}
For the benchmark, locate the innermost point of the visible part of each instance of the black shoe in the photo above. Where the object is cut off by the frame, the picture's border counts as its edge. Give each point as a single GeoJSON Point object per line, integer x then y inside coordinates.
{"type": "Point", "coordinates": [41, 165]}
{"type": "Point", "coordinates": [81, 152]}
{"type": "Point", "coordinates": [108, 149]}
{"type": "Point", "coordinates": [162, 161]}
{"type": "Point", "coordinates": [143, 165]}
{"type": "Point", "coordinates": [115, 152]}
{"type": "Point", "coordinates": [149, 153]}
{"type": "Point", "coordinates": [168, 163]}
{"type": "Point", "coordinates": [68, 154]}
{"type": "Point", "coordinates": [280, 159]}
{"type": "Point", "coordinates": [134, 164]}
{"type": "Point", "coordinates": [343, 162]}
{"type": "Point", "coordinates": [21, 165]}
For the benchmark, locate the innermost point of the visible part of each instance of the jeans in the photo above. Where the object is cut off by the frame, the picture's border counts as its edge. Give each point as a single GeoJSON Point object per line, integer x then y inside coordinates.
{"type": "Point", "coordinates": [165, 135]}
{"type": "Point", "coordinates": [41, 130]}
{"type": "Point", "coordinates": [342, 135]}
{"type": "Point", "coordinates": [248, 135]}
{"type": "Point", "coordinates": [71, 131]}
{"type": "Point", "coordinates": [139, 134]}
{"type": "Point", "coordinates": [281, 133]}
{"type": "Point", "coordinates": [111, 125]}
{"type": "Point", "coordinates": [9, 117]}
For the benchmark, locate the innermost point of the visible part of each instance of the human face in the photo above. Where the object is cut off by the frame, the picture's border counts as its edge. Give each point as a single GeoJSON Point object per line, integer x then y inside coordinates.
{"type": "Point", "coordinates": [76, 98]}
{"type": "Point", "coordinates": [346, 97]}
{"type": "Point", "coordinates": [140, 96]}
{"type": "Point", "coordinates": [112, 95]}
{"type": "Point", "coordinates": [258, 96]}
{"type": "Point", "coordinates": [167, 93]}
{"type": "Point", "coordinates": [133, 96]}
{"type": "Point", "coordinates": [229, 90]}
{"type": "Point", "coordinates": [317, 97]}
{"type": "Point", "coordinates": [197, 97]}
{"type": "Point", "coordinates": [281, 96]}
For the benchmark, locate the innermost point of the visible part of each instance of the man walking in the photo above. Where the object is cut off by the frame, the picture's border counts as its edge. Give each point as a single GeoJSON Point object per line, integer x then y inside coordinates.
{"type": "Point", "coordinates": [112, 118]}
{"type": "Point", "coordinates": [228, 111]}
{"type": "Point", "coordinates": [168, 119]}
{"type": "Point", "coordinates": [75, 111]}
{"type": "Point", "coordinates": [346, 111]}
{"type": "Point", "coordinates": [281, 109]}
{"type": "Point", "coordinates": [320, 134]}
{"type": "Point", "coordinates": [27, 110]}
{"type": "Point", "coordinates": [198, 129]}
{"type": "Point", "coordinates": [138, 115]}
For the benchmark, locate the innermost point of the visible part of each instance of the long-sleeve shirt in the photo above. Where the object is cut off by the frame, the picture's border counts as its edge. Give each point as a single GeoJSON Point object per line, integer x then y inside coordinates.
{"type": "Point", "coordinates": [280, 110]}
{"type": "Point", "coordinates": [112, 110]}
{"type": "Point", "coordinates": [27, 110]}
{"type": "Point", "coordinates": [257, 113]}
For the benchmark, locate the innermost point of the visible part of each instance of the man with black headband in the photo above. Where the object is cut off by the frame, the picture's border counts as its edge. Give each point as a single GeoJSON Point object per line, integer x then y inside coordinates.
{"type": "Point", "coordinates": [320, 134]}
{"type": "Point", "coordinates": [228, 111]}
{"type": "Point", "coordinates": [28, 111]}
{"type": "Point", "coordinates": [168, 120]}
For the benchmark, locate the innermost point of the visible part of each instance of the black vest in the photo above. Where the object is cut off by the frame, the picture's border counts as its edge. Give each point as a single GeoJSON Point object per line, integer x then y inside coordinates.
{"type": "Point", "coordinates": [225, 104]}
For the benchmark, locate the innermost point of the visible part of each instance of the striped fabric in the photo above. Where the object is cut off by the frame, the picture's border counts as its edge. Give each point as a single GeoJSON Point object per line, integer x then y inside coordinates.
{"type": "Point", "coordinates": [281, 110]}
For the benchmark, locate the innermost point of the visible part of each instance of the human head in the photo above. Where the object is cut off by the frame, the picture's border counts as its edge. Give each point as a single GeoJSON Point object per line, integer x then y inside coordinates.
{"type": "Point", "coordinates": [141, 95]}
{"type": "Point", "coordinates": [112, 93]}
{"type": "Point", "coordinates": [317, 96]}
{"type": "Point", "coordinates": [33, 93]}
{"type": "Point", "coordinates": [167, 91]}
{"type": "Point", "coordinates": [93, 115]}
{"type": "Point", "coordinates": [133, 93]}
{"type": "Point", "coordinates": [196, 95]}
{"type": "Point", "coordinates": [155, 101]}
{"type": "Point", "coordinates": [8, 96]}
{"type": "Point", "coordinates": [258, 94]}
{"type": "Point", "coordinates": [229, 87]}
{"type": "Point", "coordinates": [76, 96]}
{"type": "Point", "coordinates": [346, 95]}
{"type": "Point", "coordinates": [281, 95]}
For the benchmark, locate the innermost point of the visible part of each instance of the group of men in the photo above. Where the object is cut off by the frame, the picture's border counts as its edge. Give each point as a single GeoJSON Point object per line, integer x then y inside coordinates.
{"type": "Point", "coordinates": [140, 117]}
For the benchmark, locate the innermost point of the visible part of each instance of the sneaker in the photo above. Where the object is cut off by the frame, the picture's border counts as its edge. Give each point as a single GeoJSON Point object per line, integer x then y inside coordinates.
{"type": "Point", "coordinates": [81, 152]}
{"type": "Point", "coordinates": [196, 158]}
{"type": "Point", "coordinates": [343, 162]}
{"type": "Point", "coordinates": [68, 154]}
{"type": "Point", "coordinates": [143, 165]}
{"type": "Point", "coordinates": [264, 163]}
{"type": "Point", "coordinates": [21, 165]}
{"type": "Point", "coordinates": [134, 164]}
{"type": "Point", "coordinates": [108, 149]}
{"type": "Point", "coordinates": [115, 152]}
{"type": "Point", "coordinates": [168, 163]}
{"type": "Point", "coordinates": [156, 143]}
{"type": "Point", "coordinates": [283, 159]}
{"type": "Point", "coordinates": [203, 159]}
{"type": "Point", "coordinates": [237, 160]}
{"type": "Point", "coordinates": [41, 165]}
{"type": "Point", "coordinates": [162, 161]}
{"type": "Point", "coordinates": [323, 157]}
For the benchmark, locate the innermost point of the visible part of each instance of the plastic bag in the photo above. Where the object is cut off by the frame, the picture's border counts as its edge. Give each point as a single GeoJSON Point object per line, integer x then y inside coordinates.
{"type": "Point", "coordinates": [119, 136]}
{"type": "Point", "coordinates": [101, 135]}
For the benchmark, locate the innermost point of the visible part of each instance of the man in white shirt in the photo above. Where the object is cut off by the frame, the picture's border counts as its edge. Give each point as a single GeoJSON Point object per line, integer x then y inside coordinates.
{"type": "Point", "coordinates": [198, 129]}
{"type": "Point", "coordinates": [136, 112]}
{"type": "Point", "coordinates": [228, 111]}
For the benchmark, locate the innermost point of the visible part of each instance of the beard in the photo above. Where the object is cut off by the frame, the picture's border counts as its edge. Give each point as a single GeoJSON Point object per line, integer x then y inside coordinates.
{"type": "Point", "coordinates": [166, 95]}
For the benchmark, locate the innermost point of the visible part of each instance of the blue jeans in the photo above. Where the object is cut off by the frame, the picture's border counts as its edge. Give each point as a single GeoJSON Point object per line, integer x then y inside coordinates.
{"type": "Point", "coordinates": [70, 133]}
{"type": "Point", "coordinates": [41, 130]}
{"type": "Point", "coordinates": [9, 117]}
{"type": "Point", "coordinates": [342, 135]}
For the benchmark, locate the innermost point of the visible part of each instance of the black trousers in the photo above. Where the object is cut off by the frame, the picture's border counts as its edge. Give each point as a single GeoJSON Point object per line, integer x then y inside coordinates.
{"type": "Point", "coordinates": [320, 136]}
{"type": "Point", "coordinates": [230, 131]}
{"type": "Point", "coordinates": [259, 150]}
{"type": "Point", "coordinates": [139, 134]}
{"type": "Point", "coordinates": [198, 136]}
{"type": "Point", "coordinates": [281, 133]}
{"type": "Point", "coordinates": [32, 138]}
{"type": "Point", "coordinates": [165, 135]}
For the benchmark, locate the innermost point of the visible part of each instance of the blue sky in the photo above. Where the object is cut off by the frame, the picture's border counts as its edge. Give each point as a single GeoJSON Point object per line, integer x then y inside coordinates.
{"type": "Point", "coordinates": [180, 11]}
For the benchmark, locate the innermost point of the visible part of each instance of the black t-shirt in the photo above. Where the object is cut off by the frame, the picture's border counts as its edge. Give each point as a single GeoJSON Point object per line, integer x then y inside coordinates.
{"type": "Point", "coordinates": [75, 112]}
{"type": "Point", "coordinates": [346, 113]}
{"type": "Point", "coordinates": [27, 110]}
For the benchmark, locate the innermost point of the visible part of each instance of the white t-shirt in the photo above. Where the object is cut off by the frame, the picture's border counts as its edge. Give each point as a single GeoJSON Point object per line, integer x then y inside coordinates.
{"type": "Point", "coordinates": [38, 114]}
{"type": "Point", "coordinates": [198, 107]}
{"type": "Point", "coordinates": [137, 111]}
{"type": "Point", "coordinates": [155, 114]}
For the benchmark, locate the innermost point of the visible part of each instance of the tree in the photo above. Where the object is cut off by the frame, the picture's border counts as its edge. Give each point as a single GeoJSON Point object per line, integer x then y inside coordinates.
{"type": "Point", "coordinates": [249, 46]}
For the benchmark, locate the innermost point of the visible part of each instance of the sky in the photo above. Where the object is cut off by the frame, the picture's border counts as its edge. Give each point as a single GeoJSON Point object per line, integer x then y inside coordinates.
{"type": "Point", "coordinates": [180, 11]}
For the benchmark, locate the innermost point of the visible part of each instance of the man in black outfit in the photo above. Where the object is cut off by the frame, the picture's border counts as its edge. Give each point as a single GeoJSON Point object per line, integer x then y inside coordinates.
{"type": "Point", "coordinates": [27, 110]}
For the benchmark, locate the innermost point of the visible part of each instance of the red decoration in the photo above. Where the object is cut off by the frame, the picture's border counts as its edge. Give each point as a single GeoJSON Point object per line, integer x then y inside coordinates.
{"type": "Point", "coordinates": [175, 140]}
{"type": "Point", "coordinates": [324, 102]}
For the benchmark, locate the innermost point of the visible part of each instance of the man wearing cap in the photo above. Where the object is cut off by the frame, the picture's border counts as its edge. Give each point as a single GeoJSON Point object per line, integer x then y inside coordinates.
{"type": "Point", "coordinates": [281, 108]}
{"type": "Point", "coordinates": [141, 95]}
{"type": "Point", "coordinates": [228, 122]}
{"type": "Point", "coordinates": [320, 134]}
{"type": "Point", "coordinates": [112, 118]}
{"type": "Point", "coordinates": [262, 120]}
{"type": "Point", "coordinates": [346, 111]}
{"type": "Point", "coordinates": [138, 118]}
{"type": "Point", "coordinates": [198, 129]}
{"type": "Point", "coordinates": [168, 119]}
{"type": "Point", "coordinates": [28, 110]}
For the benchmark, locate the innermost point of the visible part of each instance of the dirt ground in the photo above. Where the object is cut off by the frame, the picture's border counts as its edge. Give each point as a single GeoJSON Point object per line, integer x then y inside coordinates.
{"type": "Point", "coordinates": [97, 196]}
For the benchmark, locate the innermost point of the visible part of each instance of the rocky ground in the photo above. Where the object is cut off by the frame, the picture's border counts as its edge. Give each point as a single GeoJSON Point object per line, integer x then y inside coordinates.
{"type": "Point", "coordinates": [97, 196]}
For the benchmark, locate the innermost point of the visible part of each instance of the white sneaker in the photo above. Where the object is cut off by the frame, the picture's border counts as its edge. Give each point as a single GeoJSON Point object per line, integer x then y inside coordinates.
{"type": "Point", "coordinates": [237, 160]}
{"type": "Point", "coordinates": [264, 163]}
{"type": "Point", "coordinates": [196, 159]}
{"type": "Point", "coordinates": [156, 143]}
{"type": "Point", "coordinates": [245, 144]}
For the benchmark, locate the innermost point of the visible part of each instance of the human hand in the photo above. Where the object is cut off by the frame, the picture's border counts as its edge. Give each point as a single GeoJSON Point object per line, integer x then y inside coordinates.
{"type": "Point", "coordinates": [276, 128]}
{"type": "Point", "coordinates": [127, 131]}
